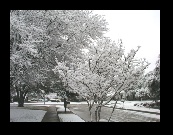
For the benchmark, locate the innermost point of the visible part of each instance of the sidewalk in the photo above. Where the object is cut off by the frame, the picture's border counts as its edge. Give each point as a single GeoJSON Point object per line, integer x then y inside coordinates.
{"type": "Point", "coordinates": [57, 114]}
{"type": "Point", "coordinates": [67, 116]}
{"type": "Point", "coordinates": [51, 115]}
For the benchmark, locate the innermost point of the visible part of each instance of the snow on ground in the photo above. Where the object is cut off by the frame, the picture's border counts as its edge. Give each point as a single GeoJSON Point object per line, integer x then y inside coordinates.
{"type": "Point", "coordinates": [39, 103]}
{"type": "Point", "coordinates": [70, 118]}
{"type": "Point", "coordinates": [144, 114]}
{"type": "Point", "coordinates": [26, 115]}
{"type": "Point", "coordinates": [84, 102]}
{"type": "Point", "coordinates": [61, 108]}
{"type": "Point", "coordinates": [130, 105]}
{"type": "Point", "coordinates": [127, 105]}
{"type": "Point", "coordinates": [49, 103]}
{"type": "Point", "coordinates": [148, 115]}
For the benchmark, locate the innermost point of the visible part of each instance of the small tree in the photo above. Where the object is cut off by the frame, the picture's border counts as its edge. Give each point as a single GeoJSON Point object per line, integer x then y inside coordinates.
{"type": "Point", "coordinates": [107, 70]}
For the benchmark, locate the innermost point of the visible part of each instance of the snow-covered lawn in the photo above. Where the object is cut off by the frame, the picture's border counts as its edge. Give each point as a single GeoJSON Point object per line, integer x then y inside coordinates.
{"type": "Point", "coordinates": [130, 105]}
{"type": "Point", "coordinates": [148, 115]}
{"type": "Point", "coordinates": [127, 105]}
{"type": "Point", "coordinates": [70, 118]}
{"type": "Point", "coordinates": [26, 115]}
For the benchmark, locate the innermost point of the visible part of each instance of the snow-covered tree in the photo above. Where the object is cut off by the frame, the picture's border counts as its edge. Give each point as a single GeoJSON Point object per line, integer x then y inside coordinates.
{"type": "Point", "coordinates": [157, 69]}
{"type": "Point", "coordinates": [131, 95]}
{"type": "Point", "coordinates": [142, 93]}
{"type": "Point", "coordinates": [23, 50]}
{"type": "Point", "coordinates": [154, 83]}
{"type": "Point", "coordinates": [107, 71]}
{"type": "Point", "coordinates": [38, 36]}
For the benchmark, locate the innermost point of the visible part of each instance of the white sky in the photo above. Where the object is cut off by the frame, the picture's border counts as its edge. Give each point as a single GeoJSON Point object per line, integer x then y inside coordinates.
{"type": "Point", "coordinates": [135, 27]}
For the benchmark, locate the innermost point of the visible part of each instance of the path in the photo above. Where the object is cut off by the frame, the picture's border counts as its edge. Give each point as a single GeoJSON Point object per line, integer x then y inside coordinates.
{"type": "Point", "coordinates": [51, 115]}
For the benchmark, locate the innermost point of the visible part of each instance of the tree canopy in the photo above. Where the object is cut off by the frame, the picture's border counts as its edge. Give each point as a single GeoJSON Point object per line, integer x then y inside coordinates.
{"type": "Point", "coordinates": [37, 37]}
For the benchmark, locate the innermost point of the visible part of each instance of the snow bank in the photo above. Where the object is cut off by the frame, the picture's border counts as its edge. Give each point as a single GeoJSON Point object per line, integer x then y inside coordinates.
{"type": "Point", "coordinates": [26, 115]}
{"type": "Point", "coordinates": [70, 118]}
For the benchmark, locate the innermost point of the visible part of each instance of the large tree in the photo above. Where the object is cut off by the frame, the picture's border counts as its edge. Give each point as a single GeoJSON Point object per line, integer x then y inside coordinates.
{"type": "Point", "coordinates": [23, 51]}
{"type": "Point", "coordinates": [38, 36]}
{"type": "Point", "coordinates": [107, 71]}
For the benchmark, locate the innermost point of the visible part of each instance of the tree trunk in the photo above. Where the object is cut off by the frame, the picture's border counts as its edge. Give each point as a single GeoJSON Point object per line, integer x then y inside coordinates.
{"type": "Point", "coordinates": [20, 99]}
{"type": "Point", "coordinates": [90, 105]}
{"type": "Point", "coordinates": [21, 96]}
{"type": "Point", "coordinates": [90, 111]}
{"type": "Point", "coordinates": [97, 114]}
{"type": "Point", "coordinates": [113, 110]}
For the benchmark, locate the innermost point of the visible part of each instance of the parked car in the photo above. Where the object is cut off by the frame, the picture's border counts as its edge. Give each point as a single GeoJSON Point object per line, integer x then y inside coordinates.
{"type": "Point", "coordinates": [43, 100]}
{"type": "Point", "coordinates": [40, 99]}
{"type": "Point", "coordinates": [34, 99]}
{"type": "Point", "coordinates": [55, 100]}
